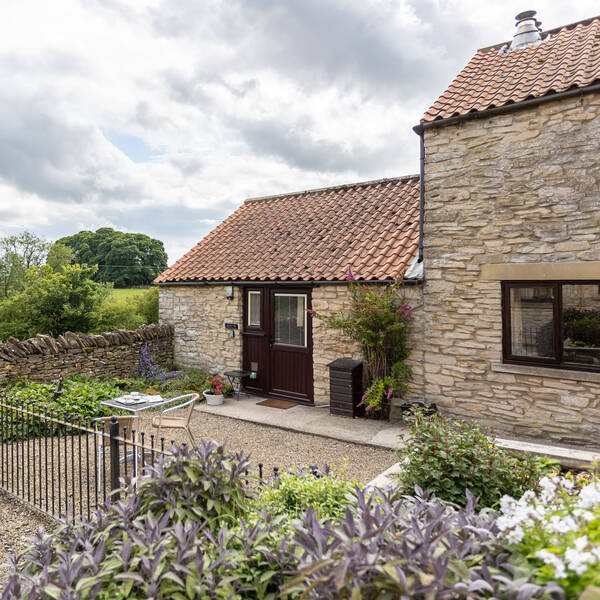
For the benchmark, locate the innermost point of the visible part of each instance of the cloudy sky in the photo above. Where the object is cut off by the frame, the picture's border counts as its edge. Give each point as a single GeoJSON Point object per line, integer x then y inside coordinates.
{"type": "Point", "coordinates": [162, 116]}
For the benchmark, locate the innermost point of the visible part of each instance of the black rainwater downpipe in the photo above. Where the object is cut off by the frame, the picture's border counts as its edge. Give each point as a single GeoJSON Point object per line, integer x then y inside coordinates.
{"type": "Point", "coordinates": [421, 193]}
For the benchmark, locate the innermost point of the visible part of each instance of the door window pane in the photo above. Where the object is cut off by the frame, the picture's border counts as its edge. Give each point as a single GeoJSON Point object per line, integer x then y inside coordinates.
{"type": "Point", "coordinates": [254, 309]}
{"type": "Point", "coordinates": [532, 321]}
{"type": "Point", "coordinates": [581, 324]}
{"type": "Point", "coordinates": [290, 319]}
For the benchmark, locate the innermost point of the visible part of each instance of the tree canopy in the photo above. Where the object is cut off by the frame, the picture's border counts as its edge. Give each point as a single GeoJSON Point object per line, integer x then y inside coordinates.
{"type": "Point", "coordinates": [53, 302]}
{"type": "Point", "coordinates": [125, 259]}
{"type": "Point", "coordinates": [17, 254]}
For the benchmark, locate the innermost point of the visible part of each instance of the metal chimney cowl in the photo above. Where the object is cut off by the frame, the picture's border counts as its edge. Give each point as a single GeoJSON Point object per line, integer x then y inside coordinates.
{"type": "Point", "coordinates": [528, 31]}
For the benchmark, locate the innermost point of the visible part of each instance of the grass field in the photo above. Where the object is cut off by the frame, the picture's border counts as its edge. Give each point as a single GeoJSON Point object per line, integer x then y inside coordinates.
{"type": "Point", "coordinates": [122, 293]}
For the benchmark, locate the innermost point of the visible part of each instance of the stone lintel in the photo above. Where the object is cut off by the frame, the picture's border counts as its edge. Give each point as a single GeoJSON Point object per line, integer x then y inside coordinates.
{"type": "Point", "coordinates": [541, 271]}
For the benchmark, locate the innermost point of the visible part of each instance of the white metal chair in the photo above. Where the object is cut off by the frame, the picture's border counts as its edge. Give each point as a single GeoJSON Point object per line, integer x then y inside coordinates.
{"type": "Point", "coordinates": [168, 421]}
{"type": "Point", "coordinates": [124, 421]}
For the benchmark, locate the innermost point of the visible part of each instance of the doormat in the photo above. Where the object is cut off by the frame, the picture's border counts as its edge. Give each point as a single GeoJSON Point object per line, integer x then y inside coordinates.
{"type": "Point", "coordinates": [275, 403]}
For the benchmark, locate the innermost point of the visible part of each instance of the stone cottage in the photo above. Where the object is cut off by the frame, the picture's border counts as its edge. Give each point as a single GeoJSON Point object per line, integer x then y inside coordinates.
{"type": "Point", "coordinates": [505, 230]}
{"type": "Point", "coordinates": [511, 230]}
{"type": "Point", "coordinates": [240, 297]}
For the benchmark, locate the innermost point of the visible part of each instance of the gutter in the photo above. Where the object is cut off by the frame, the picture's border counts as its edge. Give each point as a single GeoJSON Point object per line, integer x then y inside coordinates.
{"type": "Point", "coordinates": [500, 110]}
{"type": "Point", "coordinates": [286, 283]}
{"type": "Point", "coordinates": [421, 193]}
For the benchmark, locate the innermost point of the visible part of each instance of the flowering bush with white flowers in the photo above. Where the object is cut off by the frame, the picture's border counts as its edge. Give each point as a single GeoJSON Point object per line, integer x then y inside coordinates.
{"type": "Point", "coordinates": [557, 532]}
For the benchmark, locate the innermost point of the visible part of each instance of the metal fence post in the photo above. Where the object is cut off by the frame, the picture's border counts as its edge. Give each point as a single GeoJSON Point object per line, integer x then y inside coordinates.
{"type": "Point", "coordinates": [115, 463]}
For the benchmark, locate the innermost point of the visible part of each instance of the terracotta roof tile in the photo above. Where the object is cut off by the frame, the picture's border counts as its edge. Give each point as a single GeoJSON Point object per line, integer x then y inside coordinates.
{"type": "Point", "coordinates": [569, 57]}
{"type": "Point", "coordinates": [313, 235]}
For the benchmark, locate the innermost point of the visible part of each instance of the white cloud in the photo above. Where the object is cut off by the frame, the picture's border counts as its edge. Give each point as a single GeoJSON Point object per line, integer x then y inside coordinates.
{"type": "Point", "coordinates": [219, 100]}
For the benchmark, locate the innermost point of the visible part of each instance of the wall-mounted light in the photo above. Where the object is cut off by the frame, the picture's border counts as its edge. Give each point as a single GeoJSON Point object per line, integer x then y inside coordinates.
{"type": "Point", "coordinates": [229, 292]}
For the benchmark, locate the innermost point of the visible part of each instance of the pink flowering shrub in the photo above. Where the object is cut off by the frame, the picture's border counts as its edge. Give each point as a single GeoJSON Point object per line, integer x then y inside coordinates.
{"type": "Point", "coordinates": [378, 321]}
{"type": "Point", "coordinates": [556, 533]}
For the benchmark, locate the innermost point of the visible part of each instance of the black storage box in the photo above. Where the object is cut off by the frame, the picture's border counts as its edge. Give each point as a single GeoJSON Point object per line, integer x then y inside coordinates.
{"type": "Point", "coordinates": [345, 387]}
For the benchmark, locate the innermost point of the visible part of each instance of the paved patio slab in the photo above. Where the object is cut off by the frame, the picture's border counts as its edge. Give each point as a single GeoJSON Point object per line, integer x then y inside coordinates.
{"type": "Point", "coordinates": [312, 419]}
{"type": "Point", "coordinates": [382, 434]}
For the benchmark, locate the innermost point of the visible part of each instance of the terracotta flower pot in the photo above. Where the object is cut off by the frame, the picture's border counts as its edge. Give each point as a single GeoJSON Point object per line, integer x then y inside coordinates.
{"type": "Point", "coordinates": [213, 399]}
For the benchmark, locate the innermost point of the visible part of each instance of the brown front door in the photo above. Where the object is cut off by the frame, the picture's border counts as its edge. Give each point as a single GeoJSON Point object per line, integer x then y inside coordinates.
{"type": "Point", "coordinates": [278, 342]}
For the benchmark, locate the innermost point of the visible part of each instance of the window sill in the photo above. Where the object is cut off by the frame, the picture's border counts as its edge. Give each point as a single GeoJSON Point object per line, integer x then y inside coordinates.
{"type": "Point", "coordinates": [539, 371]}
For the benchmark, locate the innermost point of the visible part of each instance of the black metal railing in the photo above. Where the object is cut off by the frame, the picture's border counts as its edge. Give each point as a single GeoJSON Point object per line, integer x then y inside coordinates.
{"type": "Point", "coordinates": [65, 467]}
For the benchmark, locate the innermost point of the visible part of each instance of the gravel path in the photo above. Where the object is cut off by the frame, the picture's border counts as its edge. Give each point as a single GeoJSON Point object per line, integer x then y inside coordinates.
{"type": "Point", "coordinates": [281, 448]}
{"type": "Point", "coordinates": [17, 523]}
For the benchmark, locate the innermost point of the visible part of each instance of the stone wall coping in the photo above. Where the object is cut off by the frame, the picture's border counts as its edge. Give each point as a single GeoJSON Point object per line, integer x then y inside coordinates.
{"type": "Point", "coordinates": [540, 371]}
{"type": "Point", "coordinates": [14, 349]}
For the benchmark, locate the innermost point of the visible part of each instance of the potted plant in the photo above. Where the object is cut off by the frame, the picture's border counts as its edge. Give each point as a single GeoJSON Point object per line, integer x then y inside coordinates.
{"type": "Point", "coordinates": [217, 389]}
{"type": "Point", "coordinates": [377, 319]}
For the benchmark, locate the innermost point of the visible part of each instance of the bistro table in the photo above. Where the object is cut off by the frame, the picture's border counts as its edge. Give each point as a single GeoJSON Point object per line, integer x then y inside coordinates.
{"type": "Point", "coordinates": [135, 402]}
{"type": "Point", "coordinates": [235, 377]}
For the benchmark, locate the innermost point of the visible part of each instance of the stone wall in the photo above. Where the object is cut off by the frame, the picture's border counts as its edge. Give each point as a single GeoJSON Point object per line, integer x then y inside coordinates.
{"type": "Point", "coordinates": [502, 192]}
{"type": "Point", "coordinates": [113, 354]}
{"type": "Point", "coordinates": [198, 314]}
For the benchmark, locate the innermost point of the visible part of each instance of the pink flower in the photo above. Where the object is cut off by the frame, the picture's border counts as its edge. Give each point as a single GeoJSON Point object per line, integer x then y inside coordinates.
{"type": "Point", "coordinates": [389, 393]}
{"type": "Point", "coordinates": [369, 407]}
{"type": "Point", "coordinates": [409, 311]}
{"type": "Point", "coordinates": [349, 274]}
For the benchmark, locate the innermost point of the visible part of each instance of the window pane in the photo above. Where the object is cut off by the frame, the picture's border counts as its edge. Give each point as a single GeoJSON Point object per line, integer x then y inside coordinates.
{"type": "Point", "coordinates": [254, 309]}
{"type": "Point", "coordinates": [581, 317]}
{"type": "Point", "coordinates": [531, 319]}
{"type": "Point", "coordinates": [290, 321]}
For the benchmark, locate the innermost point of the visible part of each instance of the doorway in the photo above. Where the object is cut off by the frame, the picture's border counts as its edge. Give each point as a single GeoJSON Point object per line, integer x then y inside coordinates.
{"type": "Point", "coordinates": [277, 342]}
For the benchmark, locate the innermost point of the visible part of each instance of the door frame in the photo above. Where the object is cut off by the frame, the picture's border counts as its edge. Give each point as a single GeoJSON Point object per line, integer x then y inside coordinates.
{"type": "Point", "coordinates": [266, 329]}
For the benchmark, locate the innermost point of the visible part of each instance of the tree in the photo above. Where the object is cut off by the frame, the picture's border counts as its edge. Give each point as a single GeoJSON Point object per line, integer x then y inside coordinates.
{"type": "Point", "coordinates": [17, 254]}
{"type": "Point", "coordinates": [59, 256]}
{"type": "Point", "coordinates": [125, 259]}
{"type": "Point", "coordinates": [30, 247]}
{"type": "Point", "coordinates": [53, 302]}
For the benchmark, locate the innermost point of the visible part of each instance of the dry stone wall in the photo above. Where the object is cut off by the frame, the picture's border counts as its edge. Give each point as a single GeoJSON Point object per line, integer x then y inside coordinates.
{"type": "Point", "coordinates": [112, 354]}
{"type": "Point", "coordinates": [519, 188]}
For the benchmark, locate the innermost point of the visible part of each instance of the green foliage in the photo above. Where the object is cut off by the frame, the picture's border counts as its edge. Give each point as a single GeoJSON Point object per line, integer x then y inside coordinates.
{"type": "Point", "coordinates": [377, 320]}
{"type": "Point", "coordinates": [446, 457]}
{"type": "Point", "coordinates": [52, 303]}
{"type": "Point", "coordinates": [59, 256]}
{"type": "Point", "coordinates": [125, 259]}
{"type": "Point", "coordinates": [556, 534]}
{"type": "Point", "coordinates": [80, 399]}
{"type": "Point", "coordinates": [146, 304]}
{"type": "Point", "coordinates": [209, 488]}
{"type": "Point", "coordinates": [584, 331]}
{"type": "Point", "coordinates": [116, 314]}
{"type": "Point", "coordinates": [379, 392]}
{"type": "Point", "coordinates": [292, 493]}
{"type": "Point", "coordinates": [192, 380]}
{"type": "Point", "coordinates": [17, 254]}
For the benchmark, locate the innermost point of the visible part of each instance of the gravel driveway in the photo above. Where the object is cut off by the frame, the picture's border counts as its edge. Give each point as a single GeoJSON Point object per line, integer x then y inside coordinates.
{"type": "Point", "coordinates": [282, 448]}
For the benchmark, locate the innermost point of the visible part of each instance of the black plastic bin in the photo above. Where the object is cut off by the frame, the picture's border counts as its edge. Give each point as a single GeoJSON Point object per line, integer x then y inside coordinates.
{"type": "Point", "coordinates": [345, 387]}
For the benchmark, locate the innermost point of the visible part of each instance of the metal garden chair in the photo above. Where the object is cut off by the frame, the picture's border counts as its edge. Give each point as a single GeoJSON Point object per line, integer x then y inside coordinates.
{"type": "Point", "coordinates": [166, 420]}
